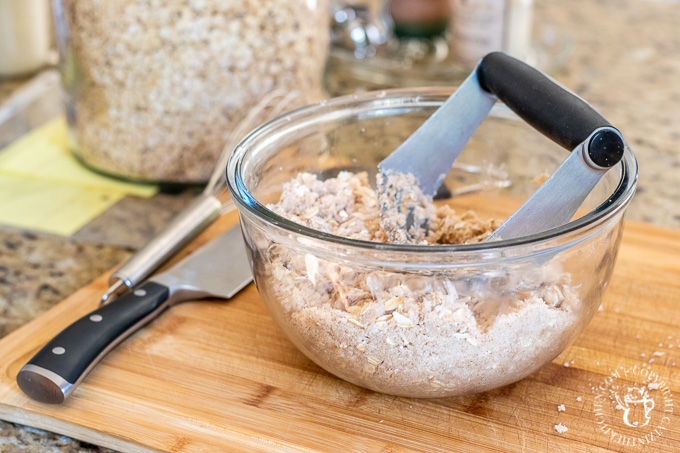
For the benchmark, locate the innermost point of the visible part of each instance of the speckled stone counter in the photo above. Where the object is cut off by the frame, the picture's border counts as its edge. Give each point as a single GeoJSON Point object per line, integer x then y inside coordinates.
{"type": "Point", "coordinates": [625, 61]}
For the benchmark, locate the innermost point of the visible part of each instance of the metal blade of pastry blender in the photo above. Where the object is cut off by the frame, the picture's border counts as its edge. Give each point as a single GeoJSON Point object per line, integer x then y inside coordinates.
{"type": "Point", "coordinates": [558, 199]}
{"type": "Point", "coordinates": [438, 142]}
{"type": "Point", "coordinates": [218, 269]}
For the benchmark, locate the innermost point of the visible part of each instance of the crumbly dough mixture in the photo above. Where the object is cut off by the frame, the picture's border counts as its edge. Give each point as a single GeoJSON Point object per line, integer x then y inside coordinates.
{"type": "Point", "coordinates": [347, 206]}
{"type": "Point", "coordinates": [411, 333]}
{"type": "Point", "coordinates": [157, 87]}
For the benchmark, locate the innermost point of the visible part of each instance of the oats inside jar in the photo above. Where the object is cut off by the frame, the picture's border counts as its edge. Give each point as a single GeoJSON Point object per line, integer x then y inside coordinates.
{"type": "Point", "coordinates": [428, 333]}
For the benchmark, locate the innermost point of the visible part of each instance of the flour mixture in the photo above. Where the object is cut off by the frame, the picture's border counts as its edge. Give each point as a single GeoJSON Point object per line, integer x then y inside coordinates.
{"type": "Point", "coordinates": [412, 333]}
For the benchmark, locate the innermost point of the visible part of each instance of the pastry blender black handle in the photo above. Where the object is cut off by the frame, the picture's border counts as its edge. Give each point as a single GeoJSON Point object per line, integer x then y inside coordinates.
{"type": "Point", "coordinates": [560, 115]}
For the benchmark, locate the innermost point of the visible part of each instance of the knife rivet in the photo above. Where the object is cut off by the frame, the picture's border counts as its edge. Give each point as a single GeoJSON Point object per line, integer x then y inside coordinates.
{"type": "Point", "coordinates": [139, 292]}
{"type": "Point", "coordinates": [58, 350]}
{"type": "Point", "coordinates": [96, 318]}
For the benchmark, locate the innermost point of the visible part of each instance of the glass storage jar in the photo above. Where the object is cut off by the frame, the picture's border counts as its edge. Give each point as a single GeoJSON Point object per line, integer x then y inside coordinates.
{"type": "Point", "coordinates": [154, 88]}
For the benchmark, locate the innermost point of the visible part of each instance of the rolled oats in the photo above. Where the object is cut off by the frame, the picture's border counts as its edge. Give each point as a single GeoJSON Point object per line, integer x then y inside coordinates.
{"type": "Point", "coordinates": [156, 87]}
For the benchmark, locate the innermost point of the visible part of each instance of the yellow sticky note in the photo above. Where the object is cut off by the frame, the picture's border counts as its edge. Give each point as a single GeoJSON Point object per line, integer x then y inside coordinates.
{"type": "Point", "coordinates": [50, 206]}
{"type": "Point", "coordinates": [44, 154]}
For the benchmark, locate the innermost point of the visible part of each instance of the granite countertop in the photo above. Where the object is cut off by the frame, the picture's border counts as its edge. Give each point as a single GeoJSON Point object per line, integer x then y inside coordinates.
{"type": "Point", "coordinates": [625, 61]}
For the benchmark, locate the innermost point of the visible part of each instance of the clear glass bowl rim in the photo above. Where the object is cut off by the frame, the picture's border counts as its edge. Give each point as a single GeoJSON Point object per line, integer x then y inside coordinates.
{"type": "Point", "coordinates": [617, 201]}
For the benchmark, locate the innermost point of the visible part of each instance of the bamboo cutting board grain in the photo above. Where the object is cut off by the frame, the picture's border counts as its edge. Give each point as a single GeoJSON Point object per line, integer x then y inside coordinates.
{"type": "Point", "coordinates": [220, 376]}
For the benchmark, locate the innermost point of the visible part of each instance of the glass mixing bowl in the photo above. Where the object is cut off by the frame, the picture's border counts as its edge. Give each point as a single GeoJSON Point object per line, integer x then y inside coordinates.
{"type": "Point", "coordinates": [419, 320]}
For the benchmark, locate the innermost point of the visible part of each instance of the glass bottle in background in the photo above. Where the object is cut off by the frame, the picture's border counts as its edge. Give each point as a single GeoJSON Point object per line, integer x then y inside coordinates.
{"type": "Point", "coordinates": [419, 18]}
{"type": "Point", "coordinates": [360, 26]}
{"type": "Point", "coordinates": [422, 55]}
{"type": "Point", "coordinates": [24, 36]}
{"type": "Point", "coordinates": [154, 88]}
{"type": "Point", "coordinates": [413, 51]}
{"type": "Point", "coordinates": [478, 27]}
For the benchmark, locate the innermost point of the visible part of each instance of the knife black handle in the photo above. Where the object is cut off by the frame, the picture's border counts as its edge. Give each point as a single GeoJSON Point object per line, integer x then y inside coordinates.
{"type": "Point", "coordinates": [54, 372]}
{"type": "Point", "coordinates": [561, 116]}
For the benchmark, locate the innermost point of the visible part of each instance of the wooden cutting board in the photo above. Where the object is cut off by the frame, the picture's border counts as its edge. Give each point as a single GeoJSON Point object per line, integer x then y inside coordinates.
{"type": "Point", "coordinates": [220, 376]}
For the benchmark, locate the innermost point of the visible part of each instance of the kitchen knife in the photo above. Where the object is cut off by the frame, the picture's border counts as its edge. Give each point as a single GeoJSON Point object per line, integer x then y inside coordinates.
{"type": "Point", "coordinates": [203, 211]}
{"type": "Point", "coordinates": [219, 269]}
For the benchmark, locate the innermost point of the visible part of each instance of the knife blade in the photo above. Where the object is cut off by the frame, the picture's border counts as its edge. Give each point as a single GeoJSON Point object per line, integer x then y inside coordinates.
{"type": "Point", "coordinates": [220, 269]}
